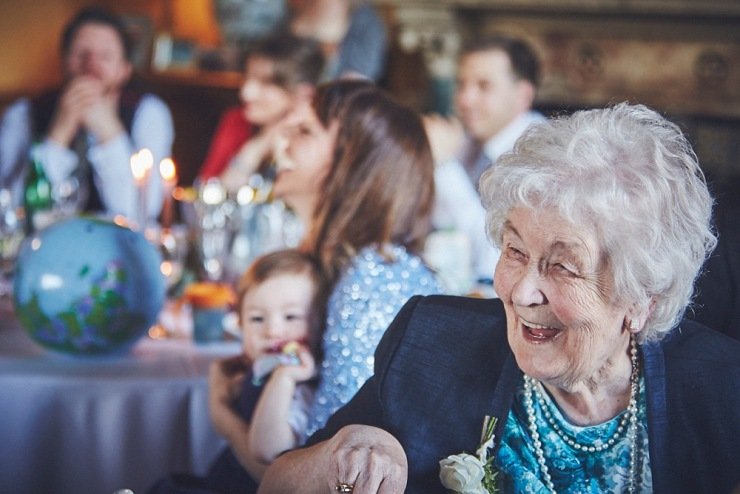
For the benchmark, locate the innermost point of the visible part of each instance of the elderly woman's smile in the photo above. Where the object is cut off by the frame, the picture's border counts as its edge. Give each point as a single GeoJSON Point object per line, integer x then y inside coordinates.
{"type": "Point", "coordinates": [538, 333]}
{"type": "Point", "coordinates": [563, 324]}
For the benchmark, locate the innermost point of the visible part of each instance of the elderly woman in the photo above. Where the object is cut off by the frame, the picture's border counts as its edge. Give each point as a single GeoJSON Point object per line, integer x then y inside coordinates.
{"type": "Point", "coordinates": [591, 380]}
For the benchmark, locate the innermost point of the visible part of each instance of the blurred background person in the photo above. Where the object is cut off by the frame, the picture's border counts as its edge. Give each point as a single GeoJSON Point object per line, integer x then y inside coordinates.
{"type": "Point", "coordinates": [351, 33]}
{"type": "Point", "coordinates": [85, 133]}
{"type": "Point", "coordinates": [280, 73]}
{"type": "Point", "coordinates": [259, 400]}
{"type": "Point", "coordinates": [357, 169]}
{"type": "Point", "coordinates": [496, 87]}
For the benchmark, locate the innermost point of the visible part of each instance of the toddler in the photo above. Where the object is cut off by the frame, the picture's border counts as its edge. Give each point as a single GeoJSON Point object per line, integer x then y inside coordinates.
{"type": "Point", "coordinates": [259, 400]}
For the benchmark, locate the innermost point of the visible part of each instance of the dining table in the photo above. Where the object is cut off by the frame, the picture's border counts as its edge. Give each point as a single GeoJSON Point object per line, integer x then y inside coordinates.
{"type": "Point", "coordinates": [98, 424]}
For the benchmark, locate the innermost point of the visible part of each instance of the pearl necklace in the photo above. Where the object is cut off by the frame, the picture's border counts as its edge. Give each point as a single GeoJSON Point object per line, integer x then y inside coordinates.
{"type": "Point", "coordinates": [627, 423]}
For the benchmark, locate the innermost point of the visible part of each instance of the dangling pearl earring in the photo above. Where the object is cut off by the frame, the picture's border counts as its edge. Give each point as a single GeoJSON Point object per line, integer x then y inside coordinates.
{"type": "Point", "coordinates": [634, 326]}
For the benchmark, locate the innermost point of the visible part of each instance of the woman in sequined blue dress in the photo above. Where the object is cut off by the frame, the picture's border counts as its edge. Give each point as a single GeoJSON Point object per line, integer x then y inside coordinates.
{"type": "Point", "coordinates": [357, 168]}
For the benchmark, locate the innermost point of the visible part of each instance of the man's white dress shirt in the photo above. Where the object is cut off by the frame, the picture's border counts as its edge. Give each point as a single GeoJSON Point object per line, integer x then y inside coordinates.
{"type": "Point", "coordinates": [151, 128]}
{"type": "Point", "coordinates": [458, 205]}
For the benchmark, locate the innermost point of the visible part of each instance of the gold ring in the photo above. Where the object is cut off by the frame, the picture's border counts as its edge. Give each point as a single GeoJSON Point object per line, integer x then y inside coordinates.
{"type": "Point", "coordinates": [344, 487]}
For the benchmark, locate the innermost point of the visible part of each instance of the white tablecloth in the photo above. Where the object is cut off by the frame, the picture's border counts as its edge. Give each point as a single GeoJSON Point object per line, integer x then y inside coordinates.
{"type": "Point", "coordinates": [94, 425]}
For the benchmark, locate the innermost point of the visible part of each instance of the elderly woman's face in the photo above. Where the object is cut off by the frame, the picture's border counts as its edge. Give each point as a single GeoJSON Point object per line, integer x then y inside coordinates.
{"type": "Point", "coordinates": [557, 290]}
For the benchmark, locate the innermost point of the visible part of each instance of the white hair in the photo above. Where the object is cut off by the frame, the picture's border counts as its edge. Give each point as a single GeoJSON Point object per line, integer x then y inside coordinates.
{"type": "Point", "coordinates": [631, 176]}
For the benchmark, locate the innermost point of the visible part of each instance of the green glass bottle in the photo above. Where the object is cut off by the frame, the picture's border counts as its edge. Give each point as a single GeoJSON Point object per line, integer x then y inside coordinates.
{"type": "Point", "coordinates": [37, 195]}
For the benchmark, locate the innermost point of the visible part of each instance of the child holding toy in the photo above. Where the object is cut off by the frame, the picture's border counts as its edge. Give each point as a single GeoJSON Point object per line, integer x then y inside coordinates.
{"type": "Point", "coordinates": [259, 400]}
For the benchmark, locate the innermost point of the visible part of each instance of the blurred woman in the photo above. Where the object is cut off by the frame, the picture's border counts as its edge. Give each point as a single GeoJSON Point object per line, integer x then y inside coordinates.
{"type": "Point", "coordinates": [280, 74]}
{"type": "Point", "coordinates": [357, 168]}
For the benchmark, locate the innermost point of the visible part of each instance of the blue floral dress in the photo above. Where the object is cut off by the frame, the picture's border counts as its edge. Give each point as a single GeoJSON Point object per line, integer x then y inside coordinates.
{"type": "Point", "coordinates": [362, 305]}
{"type": "Point", "coordinates": [572, 471]}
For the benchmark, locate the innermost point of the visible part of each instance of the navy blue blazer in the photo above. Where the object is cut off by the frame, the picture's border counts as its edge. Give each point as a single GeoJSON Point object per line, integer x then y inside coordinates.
{"type": "Point", "coordinates": [717, 303]}
{"type": "Point", "coordinates": [445, 363]}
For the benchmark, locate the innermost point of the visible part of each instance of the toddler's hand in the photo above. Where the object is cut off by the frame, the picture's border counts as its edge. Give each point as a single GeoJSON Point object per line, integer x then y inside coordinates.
{"type": "Point", "coordinates": [302, 371]}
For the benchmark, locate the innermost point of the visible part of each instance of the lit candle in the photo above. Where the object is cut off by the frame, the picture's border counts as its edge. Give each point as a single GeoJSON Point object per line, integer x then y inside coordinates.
{"type": "Point", "coordinates": [141, 165]}
{"type": "Point", "coordinates": [169, 179]}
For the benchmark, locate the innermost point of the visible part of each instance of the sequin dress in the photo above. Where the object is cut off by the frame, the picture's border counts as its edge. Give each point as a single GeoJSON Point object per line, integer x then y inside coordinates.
{"type": "Point", "coordinates": [364, 302]}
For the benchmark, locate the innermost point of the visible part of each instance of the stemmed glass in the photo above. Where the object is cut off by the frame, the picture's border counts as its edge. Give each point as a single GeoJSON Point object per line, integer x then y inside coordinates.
{"type": "Point", "coordinates": [68, 198]}
{"type": "Point", "coordinates": [11, 237]}
{"type": "Point", "coordinates": [214, 212]}
{"type": "Point", "coordinates": [173, 245]}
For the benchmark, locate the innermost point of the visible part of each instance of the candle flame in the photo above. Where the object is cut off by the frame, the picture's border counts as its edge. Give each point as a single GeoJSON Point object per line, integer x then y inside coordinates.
{"type": "Point", "coordinates": [137, 167]}
{"type": "Point", "coordinates": [166, 268]}
{"type": "Point", "coordinates": [141, 163]}
{"type": "Point", "coordinates": [167, 170]}
{"type": "Point", "coordinates": [147, 159]}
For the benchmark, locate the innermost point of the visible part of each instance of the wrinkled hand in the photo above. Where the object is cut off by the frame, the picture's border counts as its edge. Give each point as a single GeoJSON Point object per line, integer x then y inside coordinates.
{"type": "Point", "coordinates": [77, 98]}
{"type": "Point", "coordinates": [225, 377]}
{"type": "Point", "coordinates": [370, 458]}
{"type": "Point", "coordinates": [446, 136]}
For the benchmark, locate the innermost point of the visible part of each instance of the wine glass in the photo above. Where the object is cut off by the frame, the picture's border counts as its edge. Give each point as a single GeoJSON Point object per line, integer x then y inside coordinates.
{"type": "Point", "coordinates": [214, 212]}
{"type": "Point", "coordinates": [173, 245]}
{"type": "Point", "coordinates": [68, 197]}
{"type": "Point", "coordinates": [11, 236]}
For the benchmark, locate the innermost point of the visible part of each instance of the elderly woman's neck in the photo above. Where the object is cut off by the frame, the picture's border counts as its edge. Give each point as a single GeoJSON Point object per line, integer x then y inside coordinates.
{"type": "Point", "coordinates": [597, 400]}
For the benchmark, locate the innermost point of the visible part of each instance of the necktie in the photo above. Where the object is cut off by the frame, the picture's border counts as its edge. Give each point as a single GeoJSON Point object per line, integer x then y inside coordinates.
{"type": "Point", "coordinates": [476, 162]}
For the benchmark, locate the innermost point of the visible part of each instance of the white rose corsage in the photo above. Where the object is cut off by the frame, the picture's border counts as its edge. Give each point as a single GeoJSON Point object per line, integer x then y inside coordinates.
{"type": "Point", "coordinates": [472, 474]}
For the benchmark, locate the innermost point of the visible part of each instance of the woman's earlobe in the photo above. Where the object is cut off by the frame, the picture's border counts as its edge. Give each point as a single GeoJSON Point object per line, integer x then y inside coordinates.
{"type": "Point", "coordinates": [634, 319]}
{"type": "Point", "coordinates": [637, 316]}
{"type": "Point", "coordinates": [631, 324]}
{"type": "Point", "coordinates": [634, 326]}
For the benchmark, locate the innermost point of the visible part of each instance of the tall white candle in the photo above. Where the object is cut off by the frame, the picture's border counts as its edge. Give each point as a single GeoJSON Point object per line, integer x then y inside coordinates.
{"type": "Point", "coordinates": [141, 165]}
{"type": "Point", "coordinates": [168, 171]}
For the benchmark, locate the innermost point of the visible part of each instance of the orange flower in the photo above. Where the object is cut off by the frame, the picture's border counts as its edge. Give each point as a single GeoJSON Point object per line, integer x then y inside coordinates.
{"type": "Point", "coordinates": [209, 295]}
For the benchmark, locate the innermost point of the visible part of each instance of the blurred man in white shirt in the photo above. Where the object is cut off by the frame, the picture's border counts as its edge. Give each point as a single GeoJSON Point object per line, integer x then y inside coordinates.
{"type": "Point", "coordinates": [496, 88]}
{"type": "Point", "coordinates": [88, 129]}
